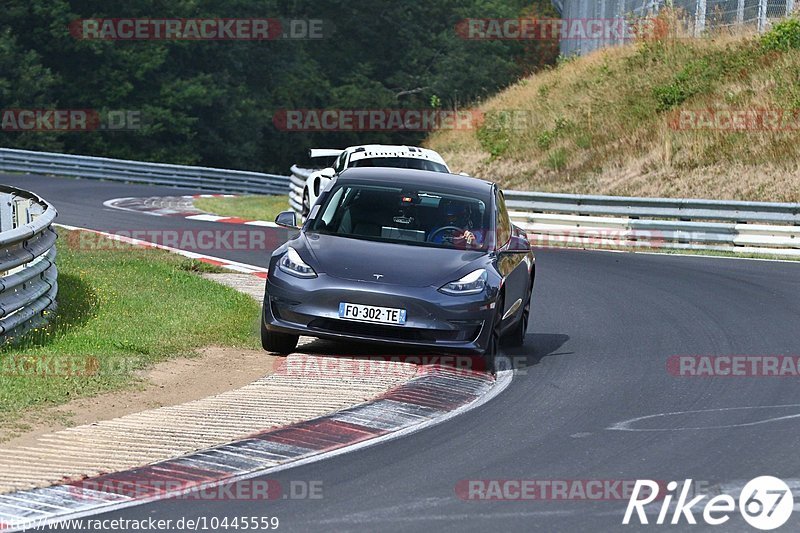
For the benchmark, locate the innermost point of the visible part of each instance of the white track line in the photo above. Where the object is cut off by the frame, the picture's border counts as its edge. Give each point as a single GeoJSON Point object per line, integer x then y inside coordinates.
{"type": "Point", "coordinates": [203, 217]}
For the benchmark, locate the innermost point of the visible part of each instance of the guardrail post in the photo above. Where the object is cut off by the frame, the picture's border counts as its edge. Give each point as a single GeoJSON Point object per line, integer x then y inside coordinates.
{"type": "Point", "coordinates": [6, 212]}
{"type": "Point", "coordinates": [740, 12]}
{"type": "Point", "coordinates": [22, 212]}
{"type": "Point", "coordinates": [700, 18]}
{"type": "Point", "coordinates": [762, 16]}
{"type": "Point", "coordinates": [601, 10]}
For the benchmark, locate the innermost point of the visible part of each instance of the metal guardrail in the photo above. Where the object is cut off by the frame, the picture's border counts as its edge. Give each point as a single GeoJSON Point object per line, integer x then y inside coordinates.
{"type": "Point", "coordinates": [629, 222]}
{"type": "Point", "coordinates": [682, 209]}
{"type": "Point", "coordinates": [28, 275]}
{"type": "Point", "coordinates": [621, 222]}
{"type": "Point", "coordinates": [101, 168]}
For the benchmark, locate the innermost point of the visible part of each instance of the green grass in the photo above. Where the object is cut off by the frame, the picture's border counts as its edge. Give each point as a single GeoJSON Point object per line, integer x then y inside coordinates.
{"type": "Point", "coordinates": [120, 309]}
{"type": "Point", "coordinates": [247, 207]}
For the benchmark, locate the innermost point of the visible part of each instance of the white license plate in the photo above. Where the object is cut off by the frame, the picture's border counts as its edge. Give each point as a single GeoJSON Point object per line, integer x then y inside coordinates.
{"type": "Point", "coordinates": [371, 313]}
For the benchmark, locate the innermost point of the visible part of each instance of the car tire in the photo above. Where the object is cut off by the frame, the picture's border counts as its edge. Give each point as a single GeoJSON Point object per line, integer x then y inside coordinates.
{"type": "Point", "coordinates": [305, 209]}
{"type": "Point", "coordinates": [274, 341]}
{"type": "Point", "coordinates": [516, 337]}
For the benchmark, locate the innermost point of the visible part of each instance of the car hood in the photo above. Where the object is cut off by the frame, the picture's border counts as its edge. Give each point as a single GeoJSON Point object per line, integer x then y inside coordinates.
{"type": "Point", "coordinates": [398, 264]}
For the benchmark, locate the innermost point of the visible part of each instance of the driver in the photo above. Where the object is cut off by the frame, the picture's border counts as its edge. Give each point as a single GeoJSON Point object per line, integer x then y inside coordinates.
{"type": "Point", "coordinates": [456, 227]}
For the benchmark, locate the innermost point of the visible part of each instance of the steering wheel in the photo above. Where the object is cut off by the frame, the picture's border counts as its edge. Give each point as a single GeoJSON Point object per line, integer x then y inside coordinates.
{"type": "Point", "coordinates": [434, 234]}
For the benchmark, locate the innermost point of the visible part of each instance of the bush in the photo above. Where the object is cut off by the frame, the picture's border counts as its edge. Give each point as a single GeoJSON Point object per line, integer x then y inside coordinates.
{"type": "Point", "coordinates": [495, 133]}
{"type": "Point", "coordinates": [697, 77]}
{"type": "Point", "coordinates": [784, 36]}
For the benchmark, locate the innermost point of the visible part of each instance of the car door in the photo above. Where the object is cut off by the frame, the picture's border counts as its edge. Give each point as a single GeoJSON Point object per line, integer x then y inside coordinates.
{"type": "Point", "coordinates": [511, 263]}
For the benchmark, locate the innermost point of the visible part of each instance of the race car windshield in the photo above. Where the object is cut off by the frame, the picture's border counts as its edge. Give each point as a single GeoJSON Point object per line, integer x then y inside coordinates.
{"type": "Point", "coordinates": [400, 162]}
{"type": "Point", "coordinates": [420, 217]}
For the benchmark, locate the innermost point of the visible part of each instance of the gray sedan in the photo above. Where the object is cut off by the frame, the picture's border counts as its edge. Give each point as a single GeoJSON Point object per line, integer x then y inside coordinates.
{"type": "Point", "coordinates": [402, 257]}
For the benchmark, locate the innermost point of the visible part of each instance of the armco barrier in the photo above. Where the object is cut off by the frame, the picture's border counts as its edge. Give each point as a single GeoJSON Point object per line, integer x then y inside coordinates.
{"type": "Point", "coordinates": [630, 222]}
{"type": "Point", "coordinates": [101, 168]}
{"type": "Point", "coordinates": [552, 219]}
{"type": "Point", "coordinates": [28, 276]}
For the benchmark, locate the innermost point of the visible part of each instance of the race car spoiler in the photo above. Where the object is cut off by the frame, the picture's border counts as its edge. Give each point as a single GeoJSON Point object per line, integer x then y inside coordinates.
{"type": "Point", "coordinates": [313, 153]}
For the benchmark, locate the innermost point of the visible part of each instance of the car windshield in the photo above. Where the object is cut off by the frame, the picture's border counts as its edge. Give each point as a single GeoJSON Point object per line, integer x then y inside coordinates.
{"type": "Point", "coordinates": [400, 162]}
{"type": "Point", "coordinates": [416, 216]}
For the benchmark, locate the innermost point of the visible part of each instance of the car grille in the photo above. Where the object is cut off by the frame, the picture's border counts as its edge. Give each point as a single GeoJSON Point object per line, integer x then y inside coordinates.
{"type": "Point", "coordinates": [345, 327]}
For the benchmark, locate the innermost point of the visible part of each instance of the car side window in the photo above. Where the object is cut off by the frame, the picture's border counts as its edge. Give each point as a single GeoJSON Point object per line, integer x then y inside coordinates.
{"type": "Point", "coordinates": [503, 220]}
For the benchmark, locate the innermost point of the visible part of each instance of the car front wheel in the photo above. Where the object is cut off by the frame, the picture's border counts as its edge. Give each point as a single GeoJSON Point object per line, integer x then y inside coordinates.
{"type": "Point", "coordinates": [274, 341]}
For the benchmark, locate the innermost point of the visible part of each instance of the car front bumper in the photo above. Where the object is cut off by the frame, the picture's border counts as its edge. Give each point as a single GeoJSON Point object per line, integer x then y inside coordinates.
{"type": "Point", "coordinates": [436, 321]}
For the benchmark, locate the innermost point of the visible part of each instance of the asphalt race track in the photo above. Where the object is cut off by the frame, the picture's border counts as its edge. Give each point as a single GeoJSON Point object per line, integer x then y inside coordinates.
{"type": "Point", "coordinates": [603, 328]}
{"type": "Point", "coordinates": [80, 203]}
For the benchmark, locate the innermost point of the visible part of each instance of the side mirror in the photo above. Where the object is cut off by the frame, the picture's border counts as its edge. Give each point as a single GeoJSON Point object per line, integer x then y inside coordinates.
{"type": "Point", "coordinates": [327, 172]}
{"type": "Point", "coordinates": [518, 244]}
{"type": "Point", "coordinates": [287, 219]}
{"type": "Point", "coordinates": [519, 241]}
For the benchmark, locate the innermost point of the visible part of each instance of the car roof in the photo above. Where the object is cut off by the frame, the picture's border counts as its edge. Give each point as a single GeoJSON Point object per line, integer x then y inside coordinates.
{"type": "Point", "coordinates": [367, 151]}
{"type": "Point", "coordinates": [415, 178]}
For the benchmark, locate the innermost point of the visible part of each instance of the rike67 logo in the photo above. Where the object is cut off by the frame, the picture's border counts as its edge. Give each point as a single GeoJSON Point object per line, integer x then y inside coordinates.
{"type": "Point", "coordinates": [765, 503]}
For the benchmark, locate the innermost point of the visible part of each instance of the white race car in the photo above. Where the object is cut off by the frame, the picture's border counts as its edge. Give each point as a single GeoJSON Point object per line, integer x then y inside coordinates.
{"type": "Point", "coordinates": [368, 155]}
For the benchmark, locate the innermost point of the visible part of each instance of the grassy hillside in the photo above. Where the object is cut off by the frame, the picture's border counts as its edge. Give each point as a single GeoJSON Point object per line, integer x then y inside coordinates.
{"type": "Point", "coordinates": [602, 124]}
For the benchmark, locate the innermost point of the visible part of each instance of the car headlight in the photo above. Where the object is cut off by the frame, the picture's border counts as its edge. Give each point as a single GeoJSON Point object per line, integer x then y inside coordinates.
{"type": "Point", "coordinates": [291, 263]}
{"type": "Point", "coordinates": [472, 283]}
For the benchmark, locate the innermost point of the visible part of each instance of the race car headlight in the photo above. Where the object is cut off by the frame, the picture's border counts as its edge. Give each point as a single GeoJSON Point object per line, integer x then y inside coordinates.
{"type": "Point", "coordinates": [472, 283]}
{"type": "Point", "coordinates": [291, 263]}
